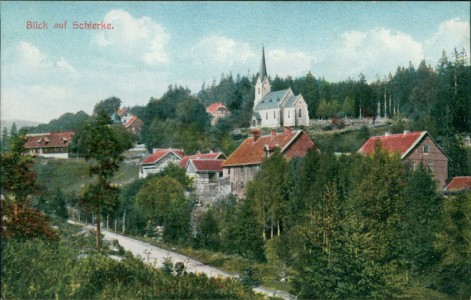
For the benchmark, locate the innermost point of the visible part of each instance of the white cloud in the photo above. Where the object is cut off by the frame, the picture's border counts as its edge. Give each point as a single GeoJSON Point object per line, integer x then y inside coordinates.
{"type": "Point", "coordinates": [377, 51]}
{"type": "Point", "coordinates": [30, 57]}
{"type": "Point", "coordinates": [63, 64]}
{"type": "Point", "coordinates": [130, 37]}
{"type": "Point", "coordinates": [221, 51]}
{"type": "Point", "coordinates": [284, 63]}
{"type": "Point", "coordinates": [451, 34]}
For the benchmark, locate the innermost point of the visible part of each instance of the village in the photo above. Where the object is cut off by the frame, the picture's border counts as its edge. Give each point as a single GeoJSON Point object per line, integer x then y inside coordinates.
{"type": "Point", "coordinates": [215, 175]}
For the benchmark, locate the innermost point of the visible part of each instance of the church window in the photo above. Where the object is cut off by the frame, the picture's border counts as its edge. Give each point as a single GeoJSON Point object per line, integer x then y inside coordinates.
{"type": "Point", "coordinates": [288, 114]}
{"type": "Point", "coordinates": [300, 113]}
{"type": "Point", "coordinates": [274, 114]}
{"type": "Point", "coordinates": [266, 116]}
{"type": "Point", "coordinates": [259, 90]}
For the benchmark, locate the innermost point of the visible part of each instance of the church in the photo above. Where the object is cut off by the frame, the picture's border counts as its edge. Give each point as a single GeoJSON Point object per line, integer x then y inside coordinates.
{"type": "Point", "coordinates": [279, 108]}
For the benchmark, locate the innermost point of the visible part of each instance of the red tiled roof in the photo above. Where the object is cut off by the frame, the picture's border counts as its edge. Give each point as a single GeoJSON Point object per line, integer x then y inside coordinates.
{"type": "Point", "coordinates": [400, 143]}
{"type": "Point", "coordinates": [198, 155]}
{"type": "Point", "coordinates": [130, 121]}
{"type": "Point", "coordinates": [49, 140]}
{"type": "Point", "coordinates": [121, 111]}
{"type": "Point", "coordinates": [253, 152]}
{"type": "Point", "coordinates": [459, 183]}
{"type": "Point", "coordinates": [215, 106]}
{"type": "Point", "coordinates": [214, 165]}
{"type": "Point", "coordinates": [161, 153]}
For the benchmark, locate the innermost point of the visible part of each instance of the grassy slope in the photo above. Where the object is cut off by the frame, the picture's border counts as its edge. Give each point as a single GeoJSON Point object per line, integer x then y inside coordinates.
{"type": "Point", "coordinates": [70, 175]}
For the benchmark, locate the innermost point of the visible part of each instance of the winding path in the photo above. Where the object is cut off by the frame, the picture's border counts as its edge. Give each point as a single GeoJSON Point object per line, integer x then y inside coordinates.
{"type": "Point", "coordinates": [155, 256]}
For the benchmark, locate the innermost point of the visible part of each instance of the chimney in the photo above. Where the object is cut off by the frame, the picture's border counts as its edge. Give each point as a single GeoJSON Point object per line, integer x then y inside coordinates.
{"type": "Point", "coordinates": [406, 131]}
{"type": "Point", "coordinates": [387, 133]}
{"type": "Point", "coordinates": [273, 133]}
{"type": "Point", "coordinates": [256, 134]}
{"type": "Point", "coordinates": [287, 131]}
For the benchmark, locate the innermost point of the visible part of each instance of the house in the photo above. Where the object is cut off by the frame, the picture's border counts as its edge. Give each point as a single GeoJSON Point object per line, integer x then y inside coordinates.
{"type": "Point", "coordinates": [51, 144]}
{"type": "Point", "coordinates": [160, 159]}
{"type": "Point", "coordinates": [217, 111]}
{"type": "Point", "coordinates": [128, 120]}
{"type": "Point", "coordinates": [242, 165]}
{"type": "Point", "coordinates": [278, 108]}
{"type": "Point", "coordinates": [207, 173]}
{"type": "Point", "coordinates": [414, 147]}
{"type": "Point", "coordinates": [459, 184]}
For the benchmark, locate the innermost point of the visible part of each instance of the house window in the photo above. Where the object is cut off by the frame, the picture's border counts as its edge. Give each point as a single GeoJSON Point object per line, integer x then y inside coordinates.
{"type": "Point", "coordinates": [426, 149]}
{"type": "Point", "coordinates": [414, 166]}
{"type": "Point", "coordinates": [300, 113]}
{"type": "Point", "coordinates": [430, 167]}
{"type": "Point", "coordinates": [242, 170]}
{"type": "Point", "coordinates": [241, 185]}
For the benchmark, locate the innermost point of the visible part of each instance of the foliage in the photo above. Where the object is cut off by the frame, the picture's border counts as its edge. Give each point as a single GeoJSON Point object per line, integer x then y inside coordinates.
{"type": "Point", "coordinates": [162, 202]}
{"type": "Point", "coordinates": [104, 152]}
{"type": "Point", "coordinates": [454, 241]}
{"type": "Point", "coordinates": [107, 106]}
{"type": "Point", "coordinates": [37, 269]}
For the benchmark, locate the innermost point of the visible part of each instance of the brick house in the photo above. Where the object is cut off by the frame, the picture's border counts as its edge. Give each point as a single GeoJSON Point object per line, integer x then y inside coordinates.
{"type": "Point", "coordinates": [159, 160]}
{"type": "Point", "coordinates": [242, 165]}
{"type": "Point", "coordinates": [51, 144]}
{"type": "Point", "coordinates": [217, 111]}
{"type": "Point", "coordinates": [414, 147]}
{"type": "Point", "coordinates": [459, 184]}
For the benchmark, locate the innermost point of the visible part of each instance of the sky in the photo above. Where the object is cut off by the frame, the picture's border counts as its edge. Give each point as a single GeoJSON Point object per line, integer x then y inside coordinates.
{"type": "Point", "coordinates": [151, 45]}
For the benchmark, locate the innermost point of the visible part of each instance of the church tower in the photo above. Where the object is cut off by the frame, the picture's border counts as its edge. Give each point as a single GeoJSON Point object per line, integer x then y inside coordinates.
{"type": "Point", "coordinates": [262, 87]}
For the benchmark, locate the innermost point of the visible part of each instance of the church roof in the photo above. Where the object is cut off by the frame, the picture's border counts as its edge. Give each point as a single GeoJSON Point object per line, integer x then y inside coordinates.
{"type": "Point", "coordinates": [263, 67]}
{"type": "Point", "coordinates": [272, 100]}
{"type": "Point", "coordinates": [291, 101]}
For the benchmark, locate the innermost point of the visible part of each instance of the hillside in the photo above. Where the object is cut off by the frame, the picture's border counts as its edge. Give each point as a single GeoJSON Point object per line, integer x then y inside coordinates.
{"type": "Point", "coordinates": [70, 175]}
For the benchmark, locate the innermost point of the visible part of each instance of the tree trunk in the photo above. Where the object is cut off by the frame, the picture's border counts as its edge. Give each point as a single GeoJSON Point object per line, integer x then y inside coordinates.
{"type": "Point", "coordinates": [98, 229]}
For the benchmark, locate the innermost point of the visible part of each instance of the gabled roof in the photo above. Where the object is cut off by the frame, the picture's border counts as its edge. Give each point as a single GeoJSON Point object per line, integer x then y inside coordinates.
{"type": "Point", "coordinates": [131, 121]}
{"type": "Point", "coordinates": [272, 100]}
{"type": "Point", "coordinates": [291, 101]}
{"type": "Point", "coordinates": [263, 67]}
{"type": "Point", "coordinates": [49, 140]}
{"type": "Point", "coordinates": [402, 143]}
{"type": "Point", "coordinates": [198, 155]}
{"type": "Point", "coordinates": [252, 152]}
{"type": "Point", "coordinates": [121, 111]}
{"type": "Point", "coordinates": [161, 153]}
{"type": "Point", "coordinates": [459, 183]}
{"type": "Point", "coordinates": [207, 165]}
{"type": "Point", "coordinates": [214, 107]}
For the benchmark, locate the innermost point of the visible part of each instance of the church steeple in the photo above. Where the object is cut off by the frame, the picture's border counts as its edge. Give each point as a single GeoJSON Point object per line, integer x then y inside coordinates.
{"type": "Point", "coordinates": [262, 87]}
{"type": "Point", "coordinates": [263, 67]}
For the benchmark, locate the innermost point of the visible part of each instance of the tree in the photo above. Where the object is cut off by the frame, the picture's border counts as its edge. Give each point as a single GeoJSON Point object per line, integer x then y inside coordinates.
{"type": "Point", "coordinates": [163, 203]}
{"type": "Point", "coordinates": [422, 213]}
{"type": "Point", "coordinates": [4, 141]}
{"type": "Point", "coordinates": [103, 151]}
{"type": "Point", "coordinates": [108, 106]}
{"type": "Point", "coordinates": [268, 192]}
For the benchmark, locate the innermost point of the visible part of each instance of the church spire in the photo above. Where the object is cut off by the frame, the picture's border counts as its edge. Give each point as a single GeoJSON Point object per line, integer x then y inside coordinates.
{"type": "Point", "coordinates": [263, 67]}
